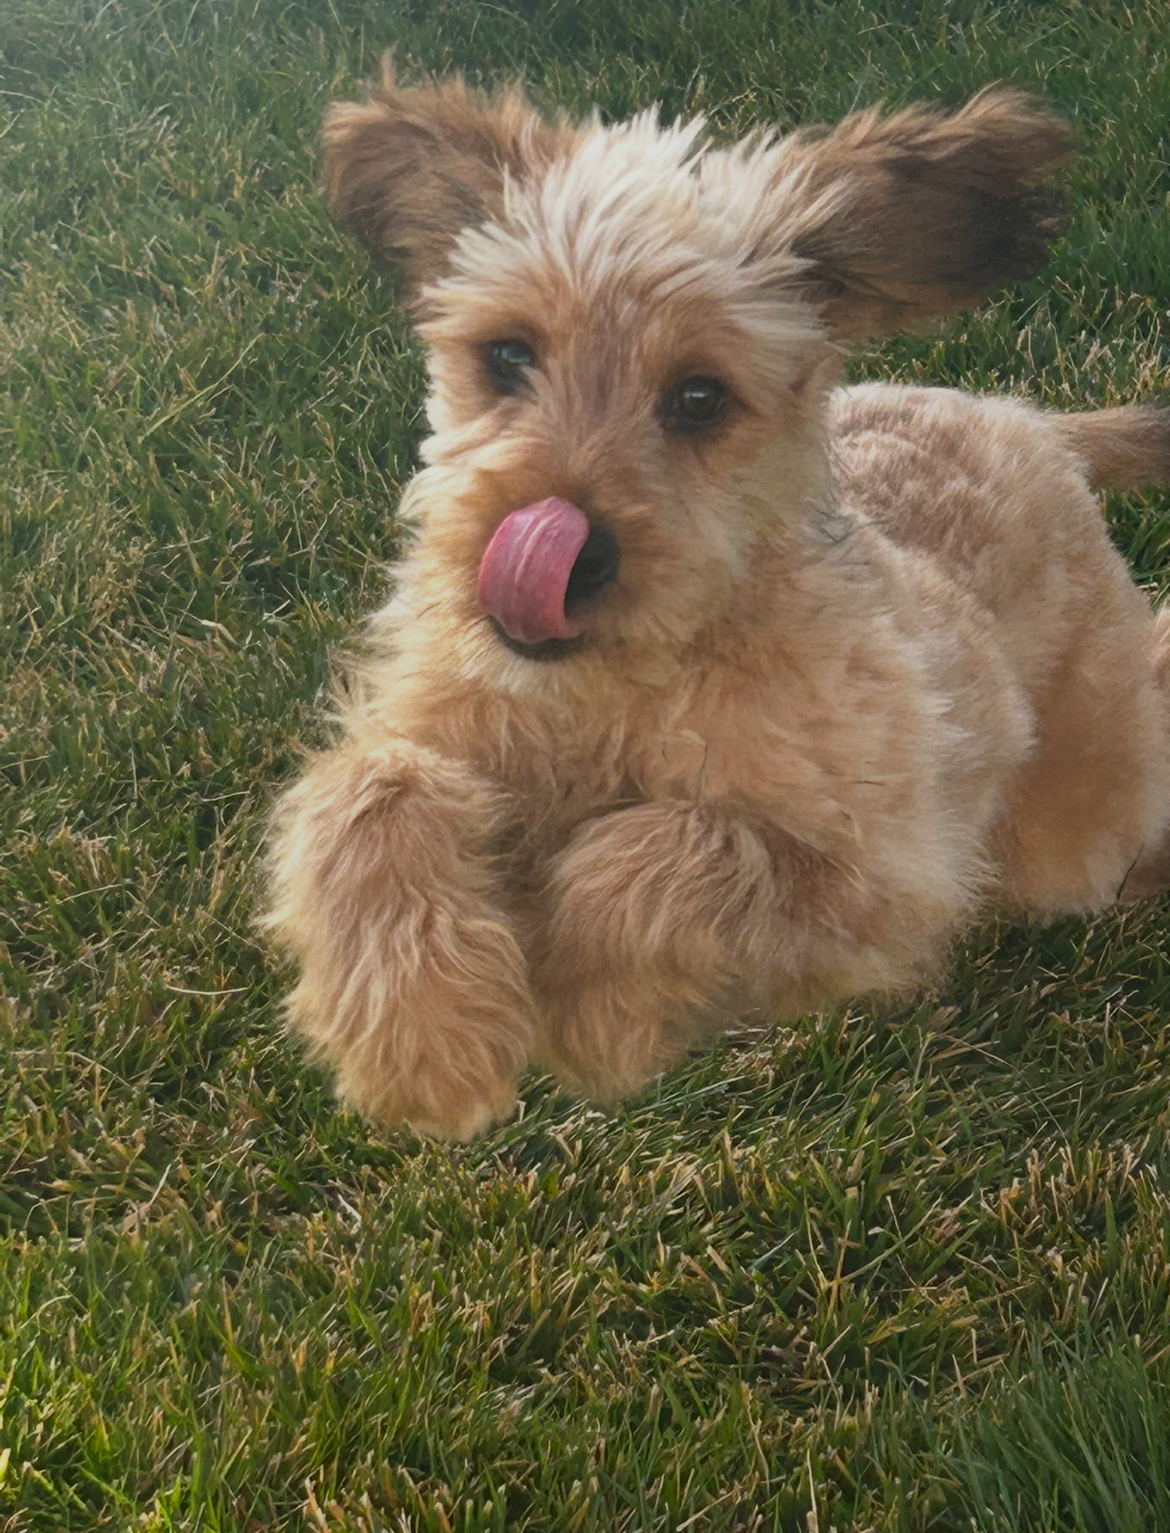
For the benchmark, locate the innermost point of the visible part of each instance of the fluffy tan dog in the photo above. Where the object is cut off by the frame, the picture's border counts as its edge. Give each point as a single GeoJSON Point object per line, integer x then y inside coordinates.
{"type": "Point", "coordinates": [708, 687]}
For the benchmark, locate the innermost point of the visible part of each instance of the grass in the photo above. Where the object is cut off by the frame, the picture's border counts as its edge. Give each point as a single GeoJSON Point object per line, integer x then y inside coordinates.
{"type": "Point", "coordinates": [902, 1269]}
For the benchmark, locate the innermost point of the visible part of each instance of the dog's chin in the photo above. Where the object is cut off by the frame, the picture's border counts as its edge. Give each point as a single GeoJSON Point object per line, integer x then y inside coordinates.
{"type": "Point", "coordinates": [546, 649]}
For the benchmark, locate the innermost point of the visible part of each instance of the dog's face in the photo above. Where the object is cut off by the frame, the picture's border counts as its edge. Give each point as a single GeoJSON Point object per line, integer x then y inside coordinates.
{"type": "Point", "coordinates": [630, 331]}
{"type": "Point", "coordinates": [597, 345]}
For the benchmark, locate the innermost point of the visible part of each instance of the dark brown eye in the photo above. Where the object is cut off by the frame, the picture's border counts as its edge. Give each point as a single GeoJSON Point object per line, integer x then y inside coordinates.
{"type": "Point", "coordinates": [694, 405]}
{"type": "Point", "coordinates": [506, 363]}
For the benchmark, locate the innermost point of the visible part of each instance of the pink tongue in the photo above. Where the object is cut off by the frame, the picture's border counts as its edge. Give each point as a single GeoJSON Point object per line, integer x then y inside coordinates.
{"type": "Point", "coordinates": [525, 572]}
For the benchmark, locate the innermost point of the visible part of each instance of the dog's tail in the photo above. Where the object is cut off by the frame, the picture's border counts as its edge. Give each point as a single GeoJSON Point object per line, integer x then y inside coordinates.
{"type": "Point", "coordinates": [1121, 448]}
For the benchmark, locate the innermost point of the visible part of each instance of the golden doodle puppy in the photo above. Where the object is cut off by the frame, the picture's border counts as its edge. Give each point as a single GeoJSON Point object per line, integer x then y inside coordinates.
{"type": "Point", "coordinates": [709, 687]}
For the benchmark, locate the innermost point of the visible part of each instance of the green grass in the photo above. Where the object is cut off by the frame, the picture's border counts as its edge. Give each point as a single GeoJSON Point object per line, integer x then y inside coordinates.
{"type": "Point", "coordinates": [906, 1269]}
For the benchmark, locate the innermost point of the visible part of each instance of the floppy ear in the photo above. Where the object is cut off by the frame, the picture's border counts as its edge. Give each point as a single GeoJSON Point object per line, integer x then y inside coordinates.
{"type": "Point", "coordinates": [411, 167]}
{"type": "Point", "coordinates": [908, 217]}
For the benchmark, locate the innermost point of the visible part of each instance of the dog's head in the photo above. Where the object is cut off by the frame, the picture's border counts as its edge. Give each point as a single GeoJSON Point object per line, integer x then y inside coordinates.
{"type": "Point", "coordinates": [630, 330]}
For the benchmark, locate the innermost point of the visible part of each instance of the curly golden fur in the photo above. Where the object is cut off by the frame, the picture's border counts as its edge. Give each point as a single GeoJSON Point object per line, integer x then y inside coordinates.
{"type": "Point", "coordinates": [867, 666]}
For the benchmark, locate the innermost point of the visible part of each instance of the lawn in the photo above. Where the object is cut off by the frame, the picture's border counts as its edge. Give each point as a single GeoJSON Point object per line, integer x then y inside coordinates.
{"type": "Point", "coordinates": [904, 1268]}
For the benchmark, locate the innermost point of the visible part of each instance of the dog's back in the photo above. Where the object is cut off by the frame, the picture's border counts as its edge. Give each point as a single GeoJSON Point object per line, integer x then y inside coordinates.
{"type": "Point", "coordinates": [999, 497]}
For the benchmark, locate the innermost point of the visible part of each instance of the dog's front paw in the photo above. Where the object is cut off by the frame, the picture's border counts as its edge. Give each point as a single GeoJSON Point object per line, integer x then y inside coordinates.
{"type": "Point", "coordinates": [440, 1053]}
{"type": "Point", "coordinates": [654, 911]}
{"type": "Point", "coordinates": [426, 1019]}
{"type": "Point", "coordinates": [607, 1038]}
{"type": "Point", "coordinates": [412, 985]}
{"type": "Point", "coordinates": [455, 1080]}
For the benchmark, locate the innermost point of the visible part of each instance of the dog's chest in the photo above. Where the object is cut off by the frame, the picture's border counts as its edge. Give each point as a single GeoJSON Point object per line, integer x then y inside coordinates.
{"type": "Point", "coordinates": [771, 745]}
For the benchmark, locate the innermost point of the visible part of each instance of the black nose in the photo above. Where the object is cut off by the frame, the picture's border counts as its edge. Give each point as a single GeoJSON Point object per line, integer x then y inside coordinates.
{"type": "Point", "coordinates": [595, 568]}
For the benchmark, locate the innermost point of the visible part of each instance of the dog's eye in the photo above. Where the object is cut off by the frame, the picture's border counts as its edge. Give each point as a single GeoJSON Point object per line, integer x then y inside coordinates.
{"type": "Point", "coordinates": [695, 404]}
{"type": "Point", "coordinates": [506, 363]}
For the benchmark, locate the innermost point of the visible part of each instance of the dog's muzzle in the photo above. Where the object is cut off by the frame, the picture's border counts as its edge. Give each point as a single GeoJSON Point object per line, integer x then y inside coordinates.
{"type": "Point", "coordinates": [542, 569]}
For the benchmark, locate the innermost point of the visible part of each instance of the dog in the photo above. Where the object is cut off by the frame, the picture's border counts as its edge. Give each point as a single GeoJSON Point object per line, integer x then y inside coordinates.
{"type": "Point", "coordinates": [709, 687]}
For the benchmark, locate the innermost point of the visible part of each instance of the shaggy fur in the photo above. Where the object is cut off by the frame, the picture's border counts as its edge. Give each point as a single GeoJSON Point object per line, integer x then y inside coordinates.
{"type": "Point", "coordinates": [870, 663]}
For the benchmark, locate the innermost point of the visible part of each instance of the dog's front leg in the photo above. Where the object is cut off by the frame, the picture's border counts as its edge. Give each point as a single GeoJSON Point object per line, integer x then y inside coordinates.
{"type": "Point", "coordinates": [412, 984]}
{"type": "Point", "coordinates": [655, 912]}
